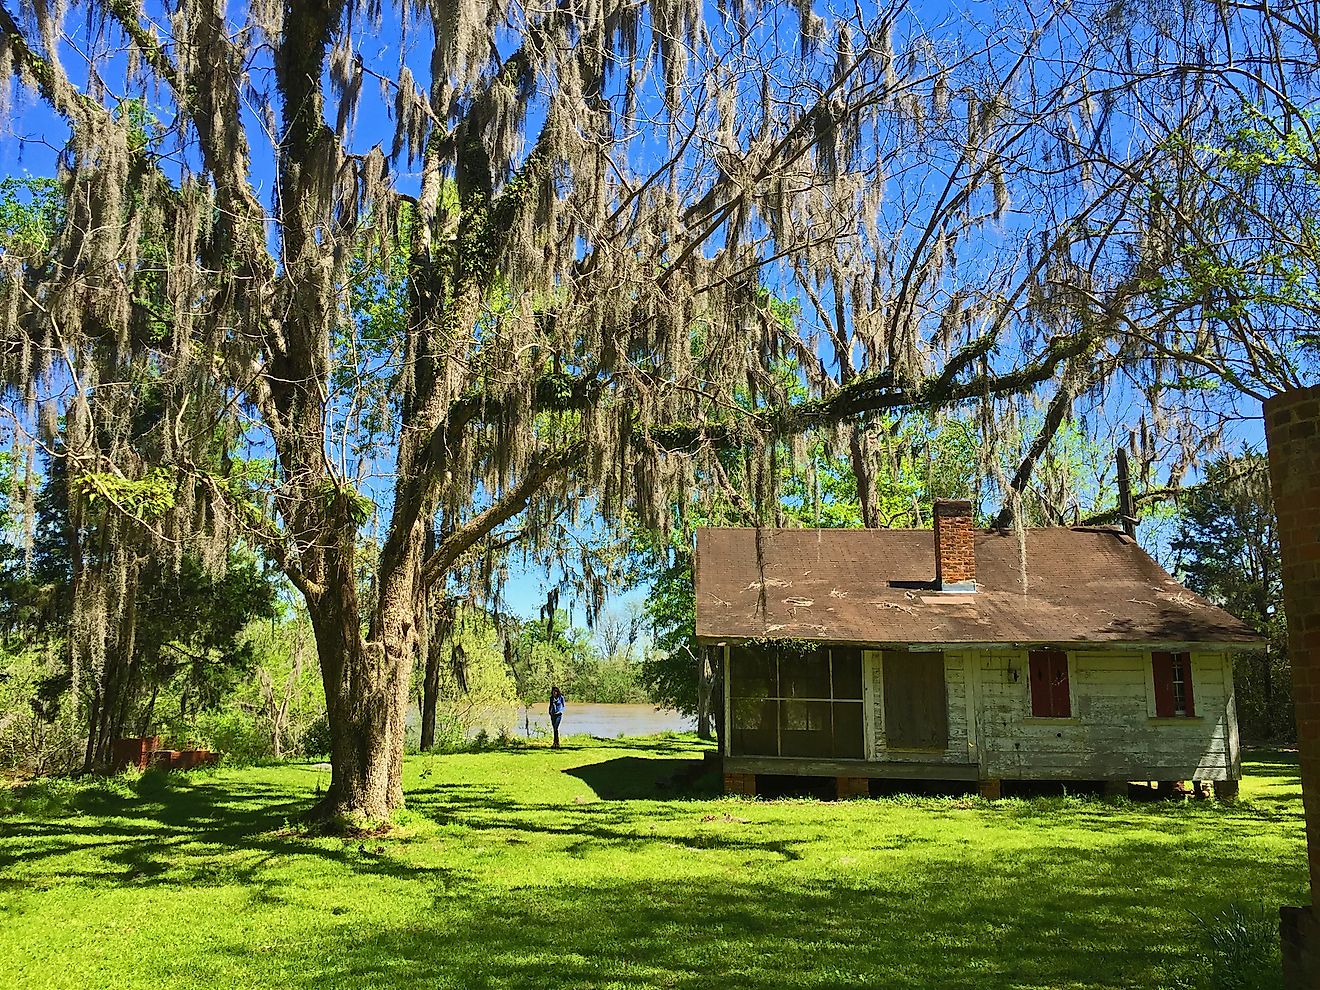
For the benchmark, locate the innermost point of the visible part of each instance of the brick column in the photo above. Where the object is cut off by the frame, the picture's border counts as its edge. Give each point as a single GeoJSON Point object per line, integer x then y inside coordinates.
{"type": "Point", "coordinates": [740, 783]}
{"type": "Point", "coordinates": [1292, 431]}
{"type": "Point", "coordinates": [852, 787]}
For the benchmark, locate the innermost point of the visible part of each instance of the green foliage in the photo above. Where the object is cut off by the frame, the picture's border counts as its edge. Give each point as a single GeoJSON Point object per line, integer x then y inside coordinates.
{"type": "Point", "coordinates": [275, 706]}
{"type": "Point", "coordinates": [916, 461]}
{"type": "Point", "coordinates": [476, 688]}
{"type": "Point", "coordinates": [229, 731]}
{"type": "Point", "coordinates": [316, 739]}
{"type": "Point", "coordinates": [669, 669]}
{"type": "Point", "coordinates": [188, 653]}
{"type": "Point", "coordinates": [1257, 243]}
{"type": "Point", "coordinates": [144, 128]}
{"type": "Point", "coordinates": [1227, 550]}
{"type": "Point", "coordinates": [1244, 948]}
{"type": "Point", "coordinates": [551, 651]}
{"type": "Point", "coordinates": [358, 507]}
{"type": "Point", "coordinates": [145, 498]}
{"type": "Point", "coordinates": [35, 737]}
{"type": "Point", "coordinates": [31, 212]}
{"type": "Point", "coordinates": [193, 623]}
{"type": "Point", "coordinates": [1071, 479]}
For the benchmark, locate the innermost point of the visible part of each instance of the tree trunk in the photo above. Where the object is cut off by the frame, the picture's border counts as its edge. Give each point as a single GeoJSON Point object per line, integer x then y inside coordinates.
{"type": "Point", "coordinates": [93, 720]}
{"type": "Point", "coordinates": [114, 690]}
{"type": "Point", "coordinates": [144, 726]}
{"type": "Point", "coordinates": [864, 476]}
{"type": "Point", "coordinates": [705, 691]}
{"type": "Point", "coordinates": [366, 684]}
{"type": "Point", "coordinates": [1267, 684]}
{"type": "Point", "coordinates": [366, 699]}
{"type": "Point", "coordinates": [430, 696]}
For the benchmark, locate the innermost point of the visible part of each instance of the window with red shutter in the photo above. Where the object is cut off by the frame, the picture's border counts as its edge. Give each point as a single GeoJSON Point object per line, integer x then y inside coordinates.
{"type": "Point", "coordinates": [1048, 670]}
{"type": "Point", "coordinates": [1172, 673]}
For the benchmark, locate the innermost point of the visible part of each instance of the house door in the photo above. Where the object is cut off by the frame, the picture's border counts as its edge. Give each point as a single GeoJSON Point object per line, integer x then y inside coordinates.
{"type": "Point", "coordinates": [916, 702]}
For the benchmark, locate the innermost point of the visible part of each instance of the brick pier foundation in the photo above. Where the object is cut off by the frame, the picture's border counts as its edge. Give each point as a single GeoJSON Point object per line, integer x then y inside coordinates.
{"type": "Point", "coordinates": [852, 787]}
{"type": "Point", "coordinates": [740, 783]}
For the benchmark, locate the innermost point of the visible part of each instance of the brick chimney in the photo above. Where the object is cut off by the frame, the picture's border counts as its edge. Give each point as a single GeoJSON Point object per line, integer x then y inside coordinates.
{"type": "Point", "coordinates": [955, 546]}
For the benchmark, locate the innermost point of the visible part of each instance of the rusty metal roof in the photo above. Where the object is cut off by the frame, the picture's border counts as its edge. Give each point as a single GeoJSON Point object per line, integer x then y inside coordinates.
{"type": "Point", "coordinates": [876, 586]}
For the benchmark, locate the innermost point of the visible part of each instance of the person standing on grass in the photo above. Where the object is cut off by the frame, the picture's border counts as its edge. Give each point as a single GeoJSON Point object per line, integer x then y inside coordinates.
{"type": "Point", "coordinates": [556, 711]}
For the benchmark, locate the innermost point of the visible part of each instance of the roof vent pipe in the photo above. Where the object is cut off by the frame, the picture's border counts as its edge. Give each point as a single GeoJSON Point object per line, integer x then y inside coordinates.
{"type": "Point", "coordinates": [955, 546]}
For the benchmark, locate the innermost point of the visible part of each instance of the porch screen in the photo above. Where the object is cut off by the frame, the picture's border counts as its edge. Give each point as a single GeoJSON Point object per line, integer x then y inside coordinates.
{"type": "Point", "coordinates": [796, 702]}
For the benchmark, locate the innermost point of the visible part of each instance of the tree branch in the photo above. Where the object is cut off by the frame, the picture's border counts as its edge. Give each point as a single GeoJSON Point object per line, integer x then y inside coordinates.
{"type": "Point", "coordinates": [1076, 379]}
{"type": "Point", "coordinates": [508, 505]}
{"type": "Point", "coordinates": [879, 390]}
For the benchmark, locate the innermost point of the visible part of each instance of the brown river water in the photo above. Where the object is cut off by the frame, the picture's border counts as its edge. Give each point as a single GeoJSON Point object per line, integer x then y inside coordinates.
{"type": "Point", "coordinates": [606, 721]}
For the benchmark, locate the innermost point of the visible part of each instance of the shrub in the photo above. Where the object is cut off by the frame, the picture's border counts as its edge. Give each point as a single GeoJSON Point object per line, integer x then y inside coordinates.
{"type": "Point", "coordinates": [234, 734]}
{"type": "Point", "coordinates": [315, 739]}
{"type": "Point", "coordinates": [36, 739]}
{"type": "Point", "coordinates": [1244, 948]}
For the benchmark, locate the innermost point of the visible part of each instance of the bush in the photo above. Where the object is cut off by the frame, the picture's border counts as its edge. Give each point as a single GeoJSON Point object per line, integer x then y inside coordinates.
{"type": "Point", "coordinates": [234, 734]}
{"type": "Point", "coordinates": [1244, 949]}
{"type": "Point", "coordinates": [315, 739]}
{"type": "Point", "coordinates": [32, 741]}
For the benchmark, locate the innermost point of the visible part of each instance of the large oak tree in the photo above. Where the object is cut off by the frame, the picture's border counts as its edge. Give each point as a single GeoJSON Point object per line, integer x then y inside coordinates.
{"type": "Point", "coordinates": [599, 245]}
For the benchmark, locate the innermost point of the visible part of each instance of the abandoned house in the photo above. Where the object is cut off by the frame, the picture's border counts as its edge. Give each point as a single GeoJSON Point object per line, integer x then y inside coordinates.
{"type": "Point", "coordinates": [964, 655]}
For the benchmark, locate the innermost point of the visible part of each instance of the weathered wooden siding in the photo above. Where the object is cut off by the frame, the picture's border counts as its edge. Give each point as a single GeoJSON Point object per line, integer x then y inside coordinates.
{"type": "Point", "coordinates": [1112, 733]}
{"type": "Point", "coordinates": [956, 667]}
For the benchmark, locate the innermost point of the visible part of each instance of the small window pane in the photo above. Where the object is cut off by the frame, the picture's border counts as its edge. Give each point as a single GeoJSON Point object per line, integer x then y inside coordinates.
{"type": "Point", "coordinates": [805, 729]}
{"type": "Point", "coordinates": [752, 673]}
{"type": "Point", "coordinates": [847, 670]}
{"type": "Point", "coordinates": [804, 716]}
{"type": "Point", "coordinates": [1179, 677]}
{"type": "Point", "coordinates": [848, 742]}
{"type": "Point", "coordinates": [755, 729]}
{"type": "Point", "coordinates": [804, 675]}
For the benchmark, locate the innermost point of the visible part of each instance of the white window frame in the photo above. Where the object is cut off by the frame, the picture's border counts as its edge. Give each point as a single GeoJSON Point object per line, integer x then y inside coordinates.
{"type": "Point", "coordinates": [1152, 710]}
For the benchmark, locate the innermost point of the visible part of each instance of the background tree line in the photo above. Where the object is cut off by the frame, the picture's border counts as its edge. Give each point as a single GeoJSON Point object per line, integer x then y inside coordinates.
{"type": "Point", "coordinates": [227, 660]}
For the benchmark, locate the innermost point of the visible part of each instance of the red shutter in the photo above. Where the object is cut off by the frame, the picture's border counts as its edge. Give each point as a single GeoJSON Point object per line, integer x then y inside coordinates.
{"type": "Point", "coordinates": [1039, 665]}
{"type": "Point", "coordinates": [1062, 704]}
{"type": "Point", "coordinates": [1049, 684]}
{"type": "Point", "coordinates": [1187, 680]}
{"type": "Point", "coordinates": [1162, 668]}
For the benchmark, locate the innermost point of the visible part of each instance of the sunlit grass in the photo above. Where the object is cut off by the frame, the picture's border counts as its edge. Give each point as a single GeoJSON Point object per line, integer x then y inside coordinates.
{"type": "Point", "coordinates": [596, 866]}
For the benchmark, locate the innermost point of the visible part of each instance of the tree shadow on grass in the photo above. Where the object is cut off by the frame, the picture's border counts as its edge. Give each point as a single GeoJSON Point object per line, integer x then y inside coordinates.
{"type": "Point", "coordinates": [684, 745]}
{"type": "Point", "coordinates": [228, 828]}
{"type": "Point", "coordinates": [639, 778]}
{"type": "Point", "coordinates": [186, 831]}
{"type": "Point", "coordinates": [599, 825]}
{"type": "Point", "coordinates": [1041, 919]}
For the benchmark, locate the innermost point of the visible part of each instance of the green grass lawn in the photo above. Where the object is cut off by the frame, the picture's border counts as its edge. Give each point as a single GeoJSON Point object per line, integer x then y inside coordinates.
{"type": "Point", "coordinates": [535, 868]}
